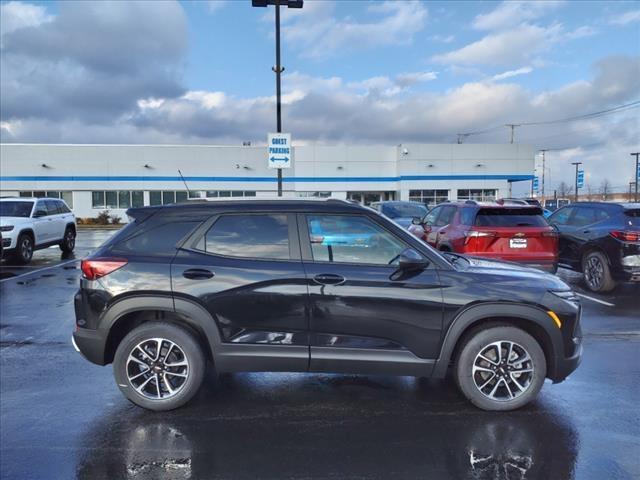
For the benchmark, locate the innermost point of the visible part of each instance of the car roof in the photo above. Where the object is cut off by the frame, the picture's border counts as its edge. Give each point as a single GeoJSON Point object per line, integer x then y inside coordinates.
{"type": "Point", "coordinates": [396, 201]}
{"type": "Point", "coordinates": [330, 205]}
{"type": "Point", "coordinates": [626, 206]}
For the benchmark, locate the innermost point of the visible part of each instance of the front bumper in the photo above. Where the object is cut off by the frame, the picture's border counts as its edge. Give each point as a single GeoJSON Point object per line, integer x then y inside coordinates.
{"type": "Point", "coordinates": [566, 366]}
{"type": "Point", "coordinates": [91, 344]}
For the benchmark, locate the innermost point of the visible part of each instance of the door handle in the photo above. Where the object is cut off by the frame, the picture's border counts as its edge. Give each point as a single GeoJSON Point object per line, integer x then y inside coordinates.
{"type": "Point", "coordinates": [329, 279]}
{"type": "Point", "coordinates": [197, 274]}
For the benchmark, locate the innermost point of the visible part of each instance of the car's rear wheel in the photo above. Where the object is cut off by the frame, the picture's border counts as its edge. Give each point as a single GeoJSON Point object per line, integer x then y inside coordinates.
{"type": "Point", "coordinates": [68, 242]}
{"type": "Point", "coordinates": [159, 366]}
{"type": "Point", "coordinates": [24, 249]}
{"type": "Point", "coordinates": [500, 368]}
{"type": "Point", "coordinates": [597, 273]}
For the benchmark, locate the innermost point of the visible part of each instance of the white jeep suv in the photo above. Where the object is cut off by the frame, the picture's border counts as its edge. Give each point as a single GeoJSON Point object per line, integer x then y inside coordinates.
{"type": "Point", "coordinates": [29, 224]}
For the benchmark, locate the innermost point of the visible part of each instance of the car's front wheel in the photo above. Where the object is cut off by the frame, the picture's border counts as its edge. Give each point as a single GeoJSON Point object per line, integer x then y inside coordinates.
{"type": "Point", "coordinates": [500, 368]}
{"type": "Point", "coordinates": [68, 242]}
{"type": "Point", "coordinates": [597, 273]}
{"type": "Point", "coordinates": [159, 366]}
{"type": "Point", "coordinates": [24, 249]}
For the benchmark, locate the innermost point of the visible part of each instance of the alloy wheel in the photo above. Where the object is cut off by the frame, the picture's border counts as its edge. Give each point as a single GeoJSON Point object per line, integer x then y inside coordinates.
{"type": "Point", "coordinates": [70, 239]}
{"type": "Point", "coordinates": [503, 371]}
{"type": "Point", "coordinates": [157, 368]}
{"type": "Point", "coordinates": [26, 249]}
{"type": "Point", "coordinates": [594, 272]}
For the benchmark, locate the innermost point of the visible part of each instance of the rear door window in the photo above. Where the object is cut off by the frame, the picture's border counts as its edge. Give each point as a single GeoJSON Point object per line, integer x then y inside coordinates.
{"type": "Point", "coordinates": [510, 217]}
{"type": "Point", "coordinates": [263, 236]}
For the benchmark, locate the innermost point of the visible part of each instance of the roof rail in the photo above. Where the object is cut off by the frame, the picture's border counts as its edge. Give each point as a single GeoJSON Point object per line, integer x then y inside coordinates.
{"type": "Point", "coordinates": [470, 202]}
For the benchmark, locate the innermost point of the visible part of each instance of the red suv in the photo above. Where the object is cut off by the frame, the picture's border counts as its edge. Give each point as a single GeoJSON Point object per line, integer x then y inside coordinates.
{"type": "Point", "coordinates": [516, 233]}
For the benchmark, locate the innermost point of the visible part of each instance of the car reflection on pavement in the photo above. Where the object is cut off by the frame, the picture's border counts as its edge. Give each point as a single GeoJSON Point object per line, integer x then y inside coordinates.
{"type": "Point", "coordinates": [329, 439]}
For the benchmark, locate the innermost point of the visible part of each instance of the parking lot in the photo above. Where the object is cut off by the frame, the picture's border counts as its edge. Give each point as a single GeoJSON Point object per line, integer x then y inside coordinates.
{"type": "Point", "coordinates": [62, 417]}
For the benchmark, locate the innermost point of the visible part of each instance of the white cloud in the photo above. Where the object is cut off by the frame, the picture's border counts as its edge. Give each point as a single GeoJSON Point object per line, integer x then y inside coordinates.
{"type": "Point", "coordinates": [17, 15]}
{"type": "Point", "coordinates": [317, 33]}
{"type": "Point", "coordinates": [581, 32]}
{"type": "Point", "coordinates": [215, 5]}
{"type": "Point", "coordinates": [509, 47]}
{"type": "Point", "coordinates": [625, 18]}
{"type": "Point", "coordinates": [442, 38]}
{"type": "Point", "coordinates": [408, 79]}
{"type": "Point", "coordinates": [511, 13]}
{"type": "Point", "coordinates": [513, 73]}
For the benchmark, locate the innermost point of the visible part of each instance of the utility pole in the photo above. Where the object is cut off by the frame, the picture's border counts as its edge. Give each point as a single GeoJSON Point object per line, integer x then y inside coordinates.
{"type": "Point", "coordinates": [512, 126]}
{"type": "Point", "coordinates": [543, 170]}
{"type": "Point", "coordinates": [636, 175]}
{"type": "Point", "coordinates": [278, 69]}
{"type": "Point", "coordinates": [576, 182]}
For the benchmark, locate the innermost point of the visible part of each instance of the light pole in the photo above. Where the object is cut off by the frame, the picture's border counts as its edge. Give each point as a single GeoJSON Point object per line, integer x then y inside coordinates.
{"type": "Point", "coordinates": [637, 175]}
{"type": "Point", "coordinates": [576, 184]}
{"type": "Point", "coordinates": [278, 69]}
{"type": "Point", "coordinates": [543, 171]}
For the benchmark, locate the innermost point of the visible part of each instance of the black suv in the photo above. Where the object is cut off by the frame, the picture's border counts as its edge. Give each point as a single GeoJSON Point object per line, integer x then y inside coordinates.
{"type": "Point", "coordinates": [601, 240]}
{"type": "Point", "coordinates": [313, 286]}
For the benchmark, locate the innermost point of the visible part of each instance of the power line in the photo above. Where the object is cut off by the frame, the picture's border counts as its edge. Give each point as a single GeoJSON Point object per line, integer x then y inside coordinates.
{"type": "Point", "coordinates": [601, 113]}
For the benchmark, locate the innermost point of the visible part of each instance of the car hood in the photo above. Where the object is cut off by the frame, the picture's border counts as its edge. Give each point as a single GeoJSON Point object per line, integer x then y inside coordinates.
{"type": "Point", "coordinates": [12, 220]}
{"type": "Point", "coordinates": [514, 271]}
{"type": "Point", "coordinates": [404, 222]}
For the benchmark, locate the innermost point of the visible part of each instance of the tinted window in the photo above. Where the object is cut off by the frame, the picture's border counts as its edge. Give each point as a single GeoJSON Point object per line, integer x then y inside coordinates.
{"type": "Point", "coordinates": [153, 238]}
{"type": "Point", "coordinates": [15, 209]}
{"type": "Point", "coordinates": [62, 208]}
{"type": "Point", "coordinates": [587, 216]}
{"type": "Point", "coordinates": [41, 206]}
{"type": "Point", "coordinates": [561, 217]}
{"type": "Point", "coordinates": [446, 216]}
{"type": "Point", "coordinates": [632, 217]}
{"type": "Point", "coordinates": [52, 207]}
{"type": "Point", "coordinates": [467, 216]}
{"type": "Point", "coordinates": [510, 217]}
{"type": "Point", "coordinates": [431, 216]}
{"type": "Point", "coordinates": [403, 210]}
{"type": "Point", "coordinates": [252, 236]}
{"type": "Point", "coordinates": [351, 239]}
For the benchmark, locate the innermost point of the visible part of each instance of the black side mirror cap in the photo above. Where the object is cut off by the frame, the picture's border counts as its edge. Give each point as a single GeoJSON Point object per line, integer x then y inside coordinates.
{"type": "Point", "coordinates": [416, 221]}
{"type": "Point", "coordinates": [410, 260]}
{"type": "Point", "coordinates": [39, 213]}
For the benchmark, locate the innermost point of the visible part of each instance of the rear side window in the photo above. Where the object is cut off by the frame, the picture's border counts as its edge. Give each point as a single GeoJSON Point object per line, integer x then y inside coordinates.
{"type": "Point", "coordinates": [250, 236]}
{"type": "Point", "coordinates": [510, 217]}
{"type": "Point", "coordinates": [153, 238]}
{"type": "Point", "coordinates": [587, 216]}
{"type": "Point", "coordinates": [467, 216]}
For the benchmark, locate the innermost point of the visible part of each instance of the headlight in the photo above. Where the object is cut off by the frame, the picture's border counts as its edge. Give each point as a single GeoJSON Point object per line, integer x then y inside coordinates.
{"type": "Point", "coordinates": [568, 295]}
{"type": "Point", "coordinates": [631, 261]}
{"type": "Point", "coordinates": [6, 228]}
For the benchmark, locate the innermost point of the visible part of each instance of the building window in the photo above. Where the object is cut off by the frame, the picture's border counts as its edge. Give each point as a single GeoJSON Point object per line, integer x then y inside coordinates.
{"type": "Point", "coordinates": [429, 197]}
{"type": "Point", "coordinates": [313, 194]}
{"type": "Point", "coordinates": [478, 194]}
{"type": "Point", "coordinates": [66, 196]}
{"type": "Point", "coordinates": [193, 194]}
{"type": "Point", "coordinates": [226, 193]}
{"type": "Point", "coordinates": [167, 197]}
{"type": "Point", "coordinates": [121, 199]}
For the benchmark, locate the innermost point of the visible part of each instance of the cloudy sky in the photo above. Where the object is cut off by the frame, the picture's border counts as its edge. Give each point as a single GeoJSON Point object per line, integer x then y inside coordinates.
{"type": "Point", "coordinates": [358, 72]}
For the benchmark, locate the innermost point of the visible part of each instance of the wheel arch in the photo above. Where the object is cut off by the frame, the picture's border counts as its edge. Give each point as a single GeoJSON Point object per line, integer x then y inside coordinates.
{"type": "Point", "coordinates": [529, 318]}
{"type": "Point", "coordinates": [587, 249]}
{"type": "Point", "coordinates": [132, 312]}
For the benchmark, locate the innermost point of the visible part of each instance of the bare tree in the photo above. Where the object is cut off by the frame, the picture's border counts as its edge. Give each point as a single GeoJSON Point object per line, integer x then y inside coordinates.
{"type": "Point", "coordinates": [564, 190]}
{"type": "Point", "coordinates": [590, 191]}
{"type": "Point", "coordinates": [605, 189]}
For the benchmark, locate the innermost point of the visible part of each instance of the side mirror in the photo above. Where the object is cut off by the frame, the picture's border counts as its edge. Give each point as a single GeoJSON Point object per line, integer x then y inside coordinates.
{"type": "Point", "coordinates": [416, 221]}
{"type": "Point", "coordinates": [410, 260]}
{"type": "Point", "coordinates": [39, 213]}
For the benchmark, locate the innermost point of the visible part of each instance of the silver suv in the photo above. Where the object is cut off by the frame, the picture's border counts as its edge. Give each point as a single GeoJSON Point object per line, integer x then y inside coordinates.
{"type": "Point", "coordinates": [29, 224]}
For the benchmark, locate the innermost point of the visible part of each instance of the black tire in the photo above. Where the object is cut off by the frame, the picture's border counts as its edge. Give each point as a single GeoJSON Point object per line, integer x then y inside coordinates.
{"type": "Point", "coordinates": [596, 272]}
{"type": "Point", "coordinates": [24, 249]}
{"type": "Point", "coordinates": [68, 242]}
{"type": "Point", "coordinates": [187, 345]}
{"type": "Point", "coordinates": [481, 339]}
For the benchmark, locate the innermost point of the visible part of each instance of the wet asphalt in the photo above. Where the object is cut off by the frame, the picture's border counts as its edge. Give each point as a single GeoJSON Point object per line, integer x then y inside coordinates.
{"type": "Point", "coordinates": [62, 417]}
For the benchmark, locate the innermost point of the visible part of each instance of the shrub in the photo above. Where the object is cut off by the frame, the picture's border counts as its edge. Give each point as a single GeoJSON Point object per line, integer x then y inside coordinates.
{"type": "Point", "coordinates": [103, 218]}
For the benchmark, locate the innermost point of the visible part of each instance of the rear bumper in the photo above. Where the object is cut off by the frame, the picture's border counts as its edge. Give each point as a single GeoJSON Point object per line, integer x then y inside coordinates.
{"type": "Point", "coordinates": [91, 344]}
{"type": "Point", "coordinates": [548, 264]}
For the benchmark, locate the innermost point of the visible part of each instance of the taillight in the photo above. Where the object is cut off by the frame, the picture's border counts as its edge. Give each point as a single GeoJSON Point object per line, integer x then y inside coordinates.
{"type": "Point", "coordinates": [95, 268]}
{"type": "Point", "coordinates": [552, 234]}
{"type": "Point", "coordinates": [477, 234]}
{"type": "Point", "coordinates": [626, 236]}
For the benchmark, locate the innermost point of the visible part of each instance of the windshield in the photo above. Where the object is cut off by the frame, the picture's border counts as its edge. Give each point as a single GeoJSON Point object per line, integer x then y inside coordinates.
{"type": "Point", "coordinates": [15, 209]}
{"type": "Point", "coordinates": [398, 210]}
{"type": "Point", "coordinates": [510, 217]}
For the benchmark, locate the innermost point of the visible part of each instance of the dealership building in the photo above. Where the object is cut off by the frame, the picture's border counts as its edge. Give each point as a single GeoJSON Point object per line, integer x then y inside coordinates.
{"type": "Point", "coordinates": [94, 178]}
